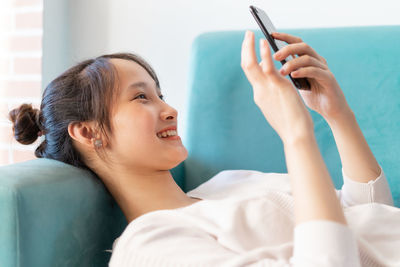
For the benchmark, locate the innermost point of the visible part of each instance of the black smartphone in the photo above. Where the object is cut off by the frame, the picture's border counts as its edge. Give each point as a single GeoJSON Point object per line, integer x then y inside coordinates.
{"type": "Point", "coordinates": [268, 28]}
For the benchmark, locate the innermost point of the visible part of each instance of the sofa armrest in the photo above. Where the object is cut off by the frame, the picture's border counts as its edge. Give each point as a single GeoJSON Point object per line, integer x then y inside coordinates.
{"type": "Point", "coordinates": [55, 214]}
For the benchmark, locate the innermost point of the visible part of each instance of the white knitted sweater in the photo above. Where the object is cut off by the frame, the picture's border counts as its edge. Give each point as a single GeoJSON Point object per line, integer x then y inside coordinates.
{"type": "Point", "coordinates": [246, 219]}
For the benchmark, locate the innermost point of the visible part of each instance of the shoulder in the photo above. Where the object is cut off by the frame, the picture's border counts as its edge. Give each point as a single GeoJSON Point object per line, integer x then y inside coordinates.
{"type": "Point", "coordinates": [229, 183]}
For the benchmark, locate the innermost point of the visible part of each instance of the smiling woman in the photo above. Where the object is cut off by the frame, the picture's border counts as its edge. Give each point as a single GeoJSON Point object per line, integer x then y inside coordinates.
{"type": "Point", "coordinates": [108, 115]}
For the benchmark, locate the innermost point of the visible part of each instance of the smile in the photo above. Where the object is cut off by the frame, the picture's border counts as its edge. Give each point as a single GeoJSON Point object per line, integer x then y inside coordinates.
{"type": "Point", "coordinates": [166, 134]}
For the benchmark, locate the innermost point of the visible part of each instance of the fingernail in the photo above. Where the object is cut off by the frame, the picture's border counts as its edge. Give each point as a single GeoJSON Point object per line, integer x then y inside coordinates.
{"type": "Point", "coordinates": [277, 54]}
{"type": "Point", "coordinates": [247, 34]}
{"type": "Point", "coordinates": [282, 70]}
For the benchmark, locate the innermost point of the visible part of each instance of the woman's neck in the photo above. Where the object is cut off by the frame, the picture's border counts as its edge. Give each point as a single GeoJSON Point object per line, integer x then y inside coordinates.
{"type": "Point", "coordinates": [140, 193]}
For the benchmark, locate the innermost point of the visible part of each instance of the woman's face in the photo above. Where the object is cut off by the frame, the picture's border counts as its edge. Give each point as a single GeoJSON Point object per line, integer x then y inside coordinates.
{"type": "Point", "coordinates": [138, 115]}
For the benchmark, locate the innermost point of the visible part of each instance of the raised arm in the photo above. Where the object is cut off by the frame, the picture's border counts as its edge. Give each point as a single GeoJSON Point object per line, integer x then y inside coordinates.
{"type": "Point", "coordinates": [357, 159]}
{"type": "Point", "coordinates": [321, 235]}
{"type": "Point", "coordinates": [312, 187]}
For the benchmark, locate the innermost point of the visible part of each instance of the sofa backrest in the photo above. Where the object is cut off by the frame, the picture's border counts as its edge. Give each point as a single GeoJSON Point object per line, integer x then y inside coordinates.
{"type": "Point", "coordinates": [226, 130]}
{"type": "Point", "coordinates": [54, 214]}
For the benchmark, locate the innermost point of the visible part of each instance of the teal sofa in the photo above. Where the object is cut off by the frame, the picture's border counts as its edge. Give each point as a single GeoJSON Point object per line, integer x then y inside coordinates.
{"type": "Point", "coordinates": [53, 214]}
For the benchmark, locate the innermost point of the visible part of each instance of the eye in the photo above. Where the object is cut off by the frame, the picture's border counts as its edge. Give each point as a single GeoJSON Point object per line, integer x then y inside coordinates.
{"type": "Point", "coordinates": [140, 96]}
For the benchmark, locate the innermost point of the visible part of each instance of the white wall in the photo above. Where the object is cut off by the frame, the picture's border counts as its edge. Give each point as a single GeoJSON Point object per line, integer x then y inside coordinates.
{"type": "Point", "coordinates": [162, 31]}
{"type": "Point", "coordinates": [72, 30]}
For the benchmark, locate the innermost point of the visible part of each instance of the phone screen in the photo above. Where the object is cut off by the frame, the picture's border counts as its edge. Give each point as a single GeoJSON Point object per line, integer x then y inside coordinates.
{"type": "Point", "coordinates": [268, 28]}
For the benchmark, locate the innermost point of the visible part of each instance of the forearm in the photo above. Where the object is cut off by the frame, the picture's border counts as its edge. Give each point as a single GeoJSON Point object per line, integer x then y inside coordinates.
{"type": "Point", "coordinates": [357, 159]}
{"type": "Point", "coordinates": [312, 188]}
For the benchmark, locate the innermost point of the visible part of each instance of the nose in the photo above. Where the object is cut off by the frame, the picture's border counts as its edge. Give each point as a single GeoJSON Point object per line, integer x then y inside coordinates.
{"type": "Point", "coordinates": [168, 112]}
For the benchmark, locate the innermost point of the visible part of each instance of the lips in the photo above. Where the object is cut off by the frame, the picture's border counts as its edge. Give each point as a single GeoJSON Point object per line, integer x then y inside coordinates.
{"type": "Point", "coordinates": [167, 128]}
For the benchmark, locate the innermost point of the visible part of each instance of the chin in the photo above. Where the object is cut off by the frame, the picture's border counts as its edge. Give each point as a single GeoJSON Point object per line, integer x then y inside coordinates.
{"type": "Point", "coordinates": [178, 158]}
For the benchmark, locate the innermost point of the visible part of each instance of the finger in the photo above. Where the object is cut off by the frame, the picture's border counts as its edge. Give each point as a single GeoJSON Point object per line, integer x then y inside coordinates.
{"type": "Point", "coordinates": [301, 62]}
{"type": "Point", "coordinates": [310, 72]}
{"type": "Point", "coordinates": [267, 64]}
{"type": "Point", "coordinates": [249, 62]}
{"type": "Point", "coordinates": [290, 39]}
{"type": "Point", "coordinates": [298, 49]}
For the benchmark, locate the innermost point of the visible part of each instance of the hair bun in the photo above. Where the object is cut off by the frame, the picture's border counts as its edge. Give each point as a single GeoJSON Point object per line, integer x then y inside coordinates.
{"type": "Point", "coordinates": [25, 121]}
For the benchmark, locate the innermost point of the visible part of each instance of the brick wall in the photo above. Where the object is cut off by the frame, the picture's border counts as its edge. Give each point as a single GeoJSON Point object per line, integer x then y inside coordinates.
{"type": "Point", "coordinates": [20, 70]}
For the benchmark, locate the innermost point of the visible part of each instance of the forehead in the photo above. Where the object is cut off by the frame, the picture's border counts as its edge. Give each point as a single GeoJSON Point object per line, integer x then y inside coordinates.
{"type": "Point", "coordinates": [131, 74]}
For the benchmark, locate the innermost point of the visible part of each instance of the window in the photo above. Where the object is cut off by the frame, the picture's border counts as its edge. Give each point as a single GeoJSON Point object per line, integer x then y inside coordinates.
{"type": "Point", "coordinates": [21, 33]}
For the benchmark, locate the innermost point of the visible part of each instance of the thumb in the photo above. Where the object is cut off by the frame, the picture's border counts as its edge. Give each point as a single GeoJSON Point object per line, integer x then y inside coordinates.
{"type": "Point", "coordinates": [267, 64]}
{"type": "Point", "coordinates": [249, 60]}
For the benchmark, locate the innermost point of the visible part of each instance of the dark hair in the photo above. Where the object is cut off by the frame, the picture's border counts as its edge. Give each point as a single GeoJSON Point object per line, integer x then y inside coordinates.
{"type": "Point", "coordinates": [84, 92]}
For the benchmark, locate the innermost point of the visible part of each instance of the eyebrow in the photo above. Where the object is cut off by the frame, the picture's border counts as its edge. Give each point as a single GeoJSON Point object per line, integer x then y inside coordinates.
{"type": "Point", "coordinates": [142, 85]}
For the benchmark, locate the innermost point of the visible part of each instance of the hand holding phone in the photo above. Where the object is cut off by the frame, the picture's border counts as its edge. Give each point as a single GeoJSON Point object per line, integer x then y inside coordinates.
{"type": "Point", "coordinates": [275, 95]}
{"type": "Point", "coordinates": [268, 28]}
{"type": "Point", "coordinates": [309, 71]}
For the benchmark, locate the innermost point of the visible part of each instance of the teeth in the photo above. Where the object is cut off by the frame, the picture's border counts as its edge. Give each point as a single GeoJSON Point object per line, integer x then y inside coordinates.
{"type": "Point", "coordinates": [167, 133]}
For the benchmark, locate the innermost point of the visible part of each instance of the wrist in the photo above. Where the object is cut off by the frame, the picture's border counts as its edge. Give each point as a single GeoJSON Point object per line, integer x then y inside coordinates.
{"type": "Point", "coordinates": [346, 116]}
{"type": "Point", "coordinates": [305, 137]}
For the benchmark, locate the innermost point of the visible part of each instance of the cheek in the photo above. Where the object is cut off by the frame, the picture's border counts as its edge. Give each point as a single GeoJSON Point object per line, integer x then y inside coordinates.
{"type": "Point", "coordinates": [134, 129]}
{"type": "Point", "coordinates": [135, 142]}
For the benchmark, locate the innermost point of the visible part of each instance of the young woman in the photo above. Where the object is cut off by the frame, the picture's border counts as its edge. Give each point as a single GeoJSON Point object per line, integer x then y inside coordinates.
{"type": "Point", "coordinates": [108, 115]}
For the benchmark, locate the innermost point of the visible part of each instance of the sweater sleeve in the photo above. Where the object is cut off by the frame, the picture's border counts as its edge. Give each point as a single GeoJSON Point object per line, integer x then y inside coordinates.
{"type": "Point", "coordinates": [324, 243]}
{"type": "Point", "coordinates": [316, 244]}
{"type": "Point", "coordinates": [355, 193]}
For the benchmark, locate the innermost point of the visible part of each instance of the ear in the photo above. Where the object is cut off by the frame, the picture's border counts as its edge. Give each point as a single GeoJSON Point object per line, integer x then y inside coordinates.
{"type": "Point", "coordinates": [83, 133]}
